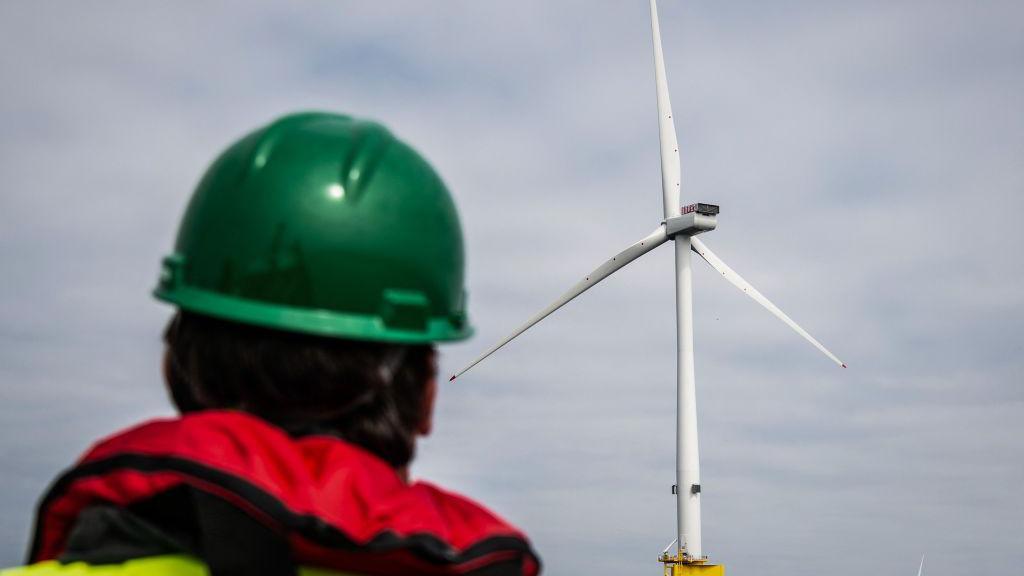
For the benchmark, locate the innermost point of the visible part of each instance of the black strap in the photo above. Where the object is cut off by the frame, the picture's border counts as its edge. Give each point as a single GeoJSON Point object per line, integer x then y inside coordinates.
{"type": "Point", "coordinates": [183, 520]}
{"type": "Point", "coordinates": [234, 543]}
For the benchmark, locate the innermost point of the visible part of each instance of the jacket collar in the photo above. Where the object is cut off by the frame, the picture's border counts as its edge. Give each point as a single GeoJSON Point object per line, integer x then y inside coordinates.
{"type": "Point", "coordinates": [337, 505]}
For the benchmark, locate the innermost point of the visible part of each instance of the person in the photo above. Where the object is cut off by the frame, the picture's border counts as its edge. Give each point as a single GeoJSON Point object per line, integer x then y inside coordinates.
{"type": "Point", "coordinates": [318, 263]}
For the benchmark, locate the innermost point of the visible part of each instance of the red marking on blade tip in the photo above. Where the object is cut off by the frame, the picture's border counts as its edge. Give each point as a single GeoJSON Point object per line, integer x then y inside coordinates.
{"type": "Point", "coordinates": [452, 379]}
{"type": "Point", "coordinates": [844, 365]}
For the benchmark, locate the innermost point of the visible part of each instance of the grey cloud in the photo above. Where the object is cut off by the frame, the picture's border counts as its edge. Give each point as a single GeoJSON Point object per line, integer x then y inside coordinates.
{"type": "Point", "coordinates": [867, 158]}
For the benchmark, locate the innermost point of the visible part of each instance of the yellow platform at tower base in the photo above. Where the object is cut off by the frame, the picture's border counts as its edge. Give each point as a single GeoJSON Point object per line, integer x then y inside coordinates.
{"type": "Point", "coordinates": [682, 565]}
{"type": "Point", "coordinates": [694, 570]}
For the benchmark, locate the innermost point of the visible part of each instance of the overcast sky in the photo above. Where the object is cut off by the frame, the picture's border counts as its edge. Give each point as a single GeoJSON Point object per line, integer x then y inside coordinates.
{"type": "Point", "coordinates": [869, 161]}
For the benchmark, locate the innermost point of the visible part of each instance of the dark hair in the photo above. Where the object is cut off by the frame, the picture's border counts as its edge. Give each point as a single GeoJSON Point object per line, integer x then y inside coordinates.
{"type": "Point", "coordinates": [370, 394]}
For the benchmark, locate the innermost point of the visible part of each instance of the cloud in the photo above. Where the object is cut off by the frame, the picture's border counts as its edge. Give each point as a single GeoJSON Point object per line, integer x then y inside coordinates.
{"type": "Point", "coordinates": [867, 158]}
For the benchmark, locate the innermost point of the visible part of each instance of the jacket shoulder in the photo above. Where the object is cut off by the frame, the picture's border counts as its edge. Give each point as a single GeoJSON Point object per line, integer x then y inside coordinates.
{"type": "Point", "coordinates": [332, 500]}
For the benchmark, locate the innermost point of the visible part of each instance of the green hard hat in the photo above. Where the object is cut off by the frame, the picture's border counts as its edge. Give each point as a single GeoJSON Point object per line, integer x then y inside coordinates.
{"type": "Point", "coordinates": [323, 224]}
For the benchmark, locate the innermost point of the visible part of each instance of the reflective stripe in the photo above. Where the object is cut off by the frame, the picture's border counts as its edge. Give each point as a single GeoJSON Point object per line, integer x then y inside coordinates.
{"type": "Point", "coordinates": [157, 565]}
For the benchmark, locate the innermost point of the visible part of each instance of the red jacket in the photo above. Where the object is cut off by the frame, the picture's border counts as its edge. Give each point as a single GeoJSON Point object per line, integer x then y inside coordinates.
{"type": "Point", "coordinates": [335, 505]}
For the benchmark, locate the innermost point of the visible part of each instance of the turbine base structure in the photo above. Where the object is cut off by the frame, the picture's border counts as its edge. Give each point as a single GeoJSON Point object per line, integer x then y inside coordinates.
{"type": "Point", "coordinates": [683, 566]}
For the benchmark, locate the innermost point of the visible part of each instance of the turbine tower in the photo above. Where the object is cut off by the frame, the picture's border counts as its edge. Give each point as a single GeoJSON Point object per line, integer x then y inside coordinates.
{"type": "Point", "coordinates": [681, 224]}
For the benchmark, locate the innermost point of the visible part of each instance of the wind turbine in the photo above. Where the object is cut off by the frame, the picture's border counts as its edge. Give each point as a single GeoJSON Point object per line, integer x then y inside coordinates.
{"type": "Point", "coordinates": [681, 224]}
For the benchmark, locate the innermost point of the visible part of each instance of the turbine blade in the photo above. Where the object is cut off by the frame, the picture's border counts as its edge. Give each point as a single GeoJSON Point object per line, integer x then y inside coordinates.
{"type": "Point", "coordinates": [920, 569]}
{"type": "Point", "coordinates": [671, 172]}
{"type": "Point", "coordinates": [701, 249]}
{"type": "Point", "coordinates": [610, 266]}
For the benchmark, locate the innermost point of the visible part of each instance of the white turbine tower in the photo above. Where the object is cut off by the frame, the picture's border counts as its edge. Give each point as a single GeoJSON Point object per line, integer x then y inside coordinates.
{"type": "Point", "coordinates": [681, 225]}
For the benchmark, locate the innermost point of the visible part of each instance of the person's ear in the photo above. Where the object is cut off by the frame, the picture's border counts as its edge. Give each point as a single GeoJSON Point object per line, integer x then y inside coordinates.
{"type": "Point", "coordinates": [427, 408]}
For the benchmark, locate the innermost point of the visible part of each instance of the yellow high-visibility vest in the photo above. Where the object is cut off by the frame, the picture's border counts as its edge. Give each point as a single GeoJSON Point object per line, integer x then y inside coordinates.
{"type": "Point", "coordinates": [154, 566]}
